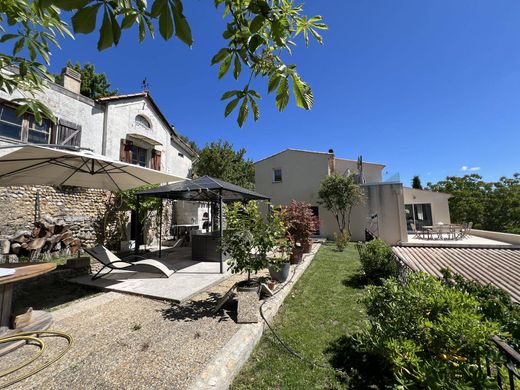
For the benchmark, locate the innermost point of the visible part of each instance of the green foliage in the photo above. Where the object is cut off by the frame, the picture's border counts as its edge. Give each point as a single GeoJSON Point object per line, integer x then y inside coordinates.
{"type": "Point", "coordinates": [259, 34]}
{"type": "Point", "coordinates": [249, 237]}
{"type": "Point", "coordinates": [377, 261]}
{"type": "Point", "coordinates": [342, 240]}
{"type": "Point", "coordinates": [221, 161]}
{"type": "Point", "coordinates": [93, 85]}
{"type": "Point", "coordinates": [192, 144]}
{"type": "Point", "coordinates": [118, 207]}
{"type": "Point", "coordinates": [491, 206]}
{"type": "Point", "coordinates": [300, 221]}
{"type": "Point", "coordinates": [432, 336]}
{"type": "Point", "coordinates": [495, 304]}
{"type": "Point", "coordinates": [416, 183]}
{"type": "Point", "coordinates": [339, 194]}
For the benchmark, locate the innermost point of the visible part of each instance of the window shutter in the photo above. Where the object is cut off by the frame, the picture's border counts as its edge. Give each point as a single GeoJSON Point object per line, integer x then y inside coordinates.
{"type": "Point", "coordinates": [156, 160]}
{"type": "Point", "coordinates": [125, 150]}
{"type": "Point", "coordinates": [68, 133]}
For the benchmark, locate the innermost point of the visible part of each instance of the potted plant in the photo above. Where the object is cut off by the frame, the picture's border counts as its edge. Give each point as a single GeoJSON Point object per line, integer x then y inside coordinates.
{"type": "Point", "coordinates": [301, 224]}
{"type": "Point", "coordinates": [279, 263]}
{"type": "Point", "coordinates": [249, 238]}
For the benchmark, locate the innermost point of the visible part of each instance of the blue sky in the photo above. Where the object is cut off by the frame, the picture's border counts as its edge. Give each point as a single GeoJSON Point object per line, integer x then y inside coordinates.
{"type": "Point", "coordinates": [426, 88]}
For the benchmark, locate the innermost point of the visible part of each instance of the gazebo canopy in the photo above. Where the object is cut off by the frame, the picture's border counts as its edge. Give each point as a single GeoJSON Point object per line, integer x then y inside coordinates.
{"type": "Point", "coordinates": [203, 189]}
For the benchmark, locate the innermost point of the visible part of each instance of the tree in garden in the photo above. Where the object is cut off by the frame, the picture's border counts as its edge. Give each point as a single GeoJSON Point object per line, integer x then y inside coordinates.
{"type": "Point", "coordinates": [301, 222]}
{"type": "Point", "coordinates": [339, 194]}
{"type": "Point", "coordinates": [93, 85]}
{"type": "Point", "coordinates": [416, 183]}
{"type": "Point", "coordinates": [220, 160]}
{"type": "Point", "coordinates": [249, 237]}
{"type": "Point", "coordinates": [260, 36]}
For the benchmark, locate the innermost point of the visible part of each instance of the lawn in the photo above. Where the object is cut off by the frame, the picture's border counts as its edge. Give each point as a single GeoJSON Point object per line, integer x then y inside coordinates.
{"type": "Point", "coordinates": [322, 307]}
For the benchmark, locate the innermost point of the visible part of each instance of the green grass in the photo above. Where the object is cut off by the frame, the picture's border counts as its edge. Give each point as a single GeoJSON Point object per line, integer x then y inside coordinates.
{"type": "Point", "coordinates": [323, 306]}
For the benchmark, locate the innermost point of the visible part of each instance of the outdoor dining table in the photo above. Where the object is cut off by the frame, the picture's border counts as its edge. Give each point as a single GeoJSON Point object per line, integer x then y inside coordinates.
{"type": "Point", "coordinates": [40, 320]}
{"type": "Point", "coordinates": [443, 229]}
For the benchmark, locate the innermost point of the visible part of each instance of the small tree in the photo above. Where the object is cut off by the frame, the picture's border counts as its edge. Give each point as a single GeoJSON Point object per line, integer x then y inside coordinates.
{"type": "Point", "coordinates": [220, 160]}
{"type": "Point", "coordinates": [300, 221]}
{"type": "Point", "coordinates": [339, 194]}
{"type": "Point", "coordinates": [249, 237]}
{"type": "Point", "coordinates": [416, 183]}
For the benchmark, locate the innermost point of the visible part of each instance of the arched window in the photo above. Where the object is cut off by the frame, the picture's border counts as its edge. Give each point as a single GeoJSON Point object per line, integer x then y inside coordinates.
{"type": "Point", "coordinates": [141, 121]}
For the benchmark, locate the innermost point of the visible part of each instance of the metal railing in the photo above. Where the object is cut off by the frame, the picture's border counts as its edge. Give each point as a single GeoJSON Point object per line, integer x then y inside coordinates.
{"type": "Point", "coordinates": [509, 359]}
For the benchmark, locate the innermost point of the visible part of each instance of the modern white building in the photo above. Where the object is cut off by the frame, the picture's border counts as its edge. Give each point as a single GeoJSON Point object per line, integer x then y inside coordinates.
{"type": "Point", "coordinates": [297, 174]}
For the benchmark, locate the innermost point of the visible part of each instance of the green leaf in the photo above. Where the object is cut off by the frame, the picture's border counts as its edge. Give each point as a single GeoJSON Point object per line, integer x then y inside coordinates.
{"type": "Point", "coordinates": [254, 42]}
{"type": "Point", "coordinates": [256, 24]}
{"type": "Point", "coordinates": [243, 112]}
{"type": "Point", "coordinates": [18, 45]}
{"type": "Point", "coordinates": [69, 5]}
{"type": "Point", "coordinates": [7, 37]}
{"type": "Point", "coordinates": [166, 24]}
{"type": "Point", "coordinates": [182, 28]}
{"type": "Point", "coordinates": [224, 67]}
{"type": "Point", "coordinates": [84, 21]}
{"type": "Point", "coordinates": [106, 38]}
{"type": "Point", "coordinates": [231, 106]}
{"type": "Point", "coordinates": [116, 29]}
{"type": "Point", "coordinates": [222, 53]}
{"type": "Point", "coordinates": [282, 94]}
{"type": "Point", "coordinates": [302, 93]}
{"type": "Point", "coordinates": [237, 67]}
{"type": "Point", "coordinates": [157, 8]}
{"type": "Point", "coordinates": [129, 20]}
{"type": "Point", "coordinates": [229, 94]}
{"type": "Point", "coordinates": [255, 109]}
{"type": "Point", "coordinates": [273, 82]}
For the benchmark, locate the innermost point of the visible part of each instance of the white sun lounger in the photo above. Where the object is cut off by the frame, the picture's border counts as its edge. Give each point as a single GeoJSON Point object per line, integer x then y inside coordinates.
{"type": "Point", "coordinates": [112, 262]}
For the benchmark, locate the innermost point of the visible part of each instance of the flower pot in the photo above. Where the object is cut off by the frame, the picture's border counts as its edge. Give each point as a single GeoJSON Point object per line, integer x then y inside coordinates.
{"type": "Point", "coordinates": [127, 246]}
{"type": "Point", "coordinates": [307, 246]}
{"type": "Point", "coordinates": [248, 285]}
{"type": "Point", "coordinates": [279, 272]}
{"type": "Point", "coordinates": [296, 256]}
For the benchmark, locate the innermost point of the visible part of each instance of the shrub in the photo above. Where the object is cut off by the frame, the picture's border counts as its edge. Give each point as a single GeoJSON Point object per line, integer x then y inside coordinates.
{"type": "Point", "coordinates": [495, 304]}
{"type": "Point", "coordinates": [431, 335]}
{"type": "Point", "coordinates": [301, 222]}
{"type": "Point", "coordinates": [377, 260]}
{"type": "Point", "coordinates": [342, 240]}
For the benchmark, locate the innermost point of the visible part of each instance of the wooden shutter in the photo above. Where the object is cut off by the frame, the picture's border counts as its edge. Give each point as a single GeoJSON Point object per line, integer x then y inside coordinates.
{"type": "Point", "coordinates": [156, 160]}
{"type": "Point", "coordinates": [125, 151]}
{"type": "Point", "coordinates": [68, 133]}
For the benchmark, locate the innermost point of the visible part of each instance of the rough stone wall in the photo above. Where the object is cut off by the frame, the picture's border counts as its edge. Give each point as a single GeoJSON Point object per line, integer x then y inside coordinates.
{"type": "Point", "coordinates": [80, 208]}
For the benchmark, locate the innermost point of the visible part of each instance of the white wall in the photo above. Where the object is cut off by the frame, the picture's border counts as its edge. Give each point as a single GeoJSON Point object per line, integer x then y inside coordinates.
{"type": "Point", "coordinates": [438, 201]}
{"type": "Point", "coordinates": [71, 107]}
{"type": "Point", "coordinates": [121, 122]}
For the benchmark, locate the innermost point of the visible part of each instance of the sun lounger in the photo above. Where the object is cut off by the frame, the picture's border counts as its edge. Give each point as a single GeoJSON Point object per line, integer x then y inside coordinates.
{"type": "Point", "coordinates": [112, 262]}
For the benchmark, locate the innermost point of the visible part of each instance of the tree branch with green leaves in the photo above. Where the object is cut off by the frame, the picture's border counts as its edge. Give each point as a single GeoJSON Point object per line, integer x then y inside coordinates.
{"type": "Point", "coordinates": [259, 33]}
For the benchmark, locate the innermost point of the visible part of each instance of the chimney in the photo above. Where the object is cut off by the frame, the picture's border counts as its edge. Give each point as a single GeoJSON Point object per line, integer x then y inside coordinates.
{"type": "Point", "coordinates": [71, 80]}
{"type": "Point", "coordinates": [332, 162]}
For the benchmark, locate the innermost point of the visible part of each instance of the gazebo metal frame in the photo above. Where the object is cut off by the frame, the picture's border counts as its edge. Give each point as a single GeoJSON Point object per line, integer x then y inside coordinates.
{"type": "Point", "coordinates": [202, 189]}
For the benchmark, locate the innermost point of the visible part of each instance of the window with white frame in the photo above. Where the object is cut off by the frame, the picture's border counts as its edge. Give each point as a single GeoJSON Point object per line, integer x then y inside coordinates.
{"type": "Point", "coordinates": [277, 175]}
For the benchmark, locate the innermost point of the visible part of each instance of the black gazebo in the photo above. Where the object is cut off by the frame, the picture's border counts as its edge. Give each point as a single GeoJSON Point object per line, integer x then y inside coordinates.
{"type": "Point", "coordinates": [202, 189]}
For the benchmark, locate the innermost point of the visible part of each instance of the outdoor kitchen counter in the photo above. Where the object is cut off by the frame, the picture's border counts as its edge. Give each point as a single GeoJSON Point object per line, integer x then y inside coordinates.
{"type": "Point", "coordinates": [204, 246]}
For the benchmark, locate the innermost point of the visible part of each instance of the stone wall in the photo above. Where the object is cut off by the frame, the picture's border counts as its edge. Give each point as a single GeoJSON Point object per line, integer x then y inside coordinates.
{"type": "Point", "coordinates": [80, 208]}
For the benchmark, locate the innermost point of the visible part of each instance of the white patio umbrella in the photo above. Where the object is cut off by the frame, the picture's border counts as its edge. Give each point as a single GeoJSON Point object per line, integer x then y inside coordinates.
{"type": "Point", "coordinates": [37, 165]}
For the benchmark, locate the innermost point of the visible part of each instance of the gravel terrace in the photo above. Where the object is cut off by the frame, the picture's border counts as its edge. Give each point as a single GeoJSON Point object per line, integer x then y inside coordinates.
{"type": "Point", "coordinates": [131, 342]}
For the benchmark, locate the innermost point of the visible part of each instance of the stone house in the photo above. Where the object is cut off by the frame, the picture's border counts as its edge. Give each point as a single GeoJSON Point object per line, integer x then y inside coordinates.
{"type": "Point", "coordinates": [128, 128]}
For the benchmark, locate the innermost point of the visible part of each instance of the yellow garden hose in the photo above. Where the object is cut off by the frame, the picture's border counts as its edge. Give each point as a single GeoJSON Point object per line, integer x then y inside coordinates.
{"type": "Point", "coordinates": [29, 336]}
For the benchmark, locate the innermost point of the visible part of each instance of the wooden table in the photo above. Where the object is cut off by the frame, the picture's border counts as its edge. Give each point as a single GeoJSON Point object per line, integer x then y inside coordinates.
{"type": "Point", "coordinates": [39, 319]}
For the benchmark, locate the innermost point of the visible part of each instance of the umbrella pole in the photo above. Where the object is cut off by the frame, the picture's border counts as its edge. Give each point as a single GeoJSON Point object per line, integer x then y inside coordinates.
{"type": "Point", "coordinates": [221, 233]}
{"type": "Point", "coordinates": [136, 224]}
{"type": "Point", "coordinates": [160, 229]}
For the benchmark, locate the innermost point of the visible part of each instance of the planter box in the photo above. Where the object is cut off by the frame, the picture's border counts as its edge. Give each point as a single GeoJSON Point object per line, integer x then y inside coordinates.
{"type": "Point", "coordinates": [280, 273]}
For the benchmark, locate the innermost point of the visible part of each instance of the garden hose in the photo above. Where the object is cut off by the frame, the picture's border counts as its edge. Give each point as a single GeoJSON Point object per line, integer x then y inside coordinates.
{"type": "Point", "coordinates": [29, 336]}
{"type": "Point", "coordinates": [284, 344]}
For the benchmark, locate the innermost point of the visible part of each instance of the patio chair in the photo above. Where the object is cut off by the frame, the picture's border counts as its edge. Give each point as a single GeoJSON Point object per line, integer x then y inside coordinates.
{"type": "Point", "coordinates": [468, 230]}
{"type": "Point", "coordinates": [112, 262]}
{"type": "Point", "coordinates": [423, 234]}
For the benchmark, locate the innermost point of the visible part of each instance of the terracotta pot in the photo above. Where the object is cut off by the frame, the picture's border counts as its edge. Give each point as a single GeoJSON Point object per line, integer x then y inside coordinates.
{"type": "Point", "coordinates": [296, 256]}
{"type": "Point", "coordinates": [307, 246]}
